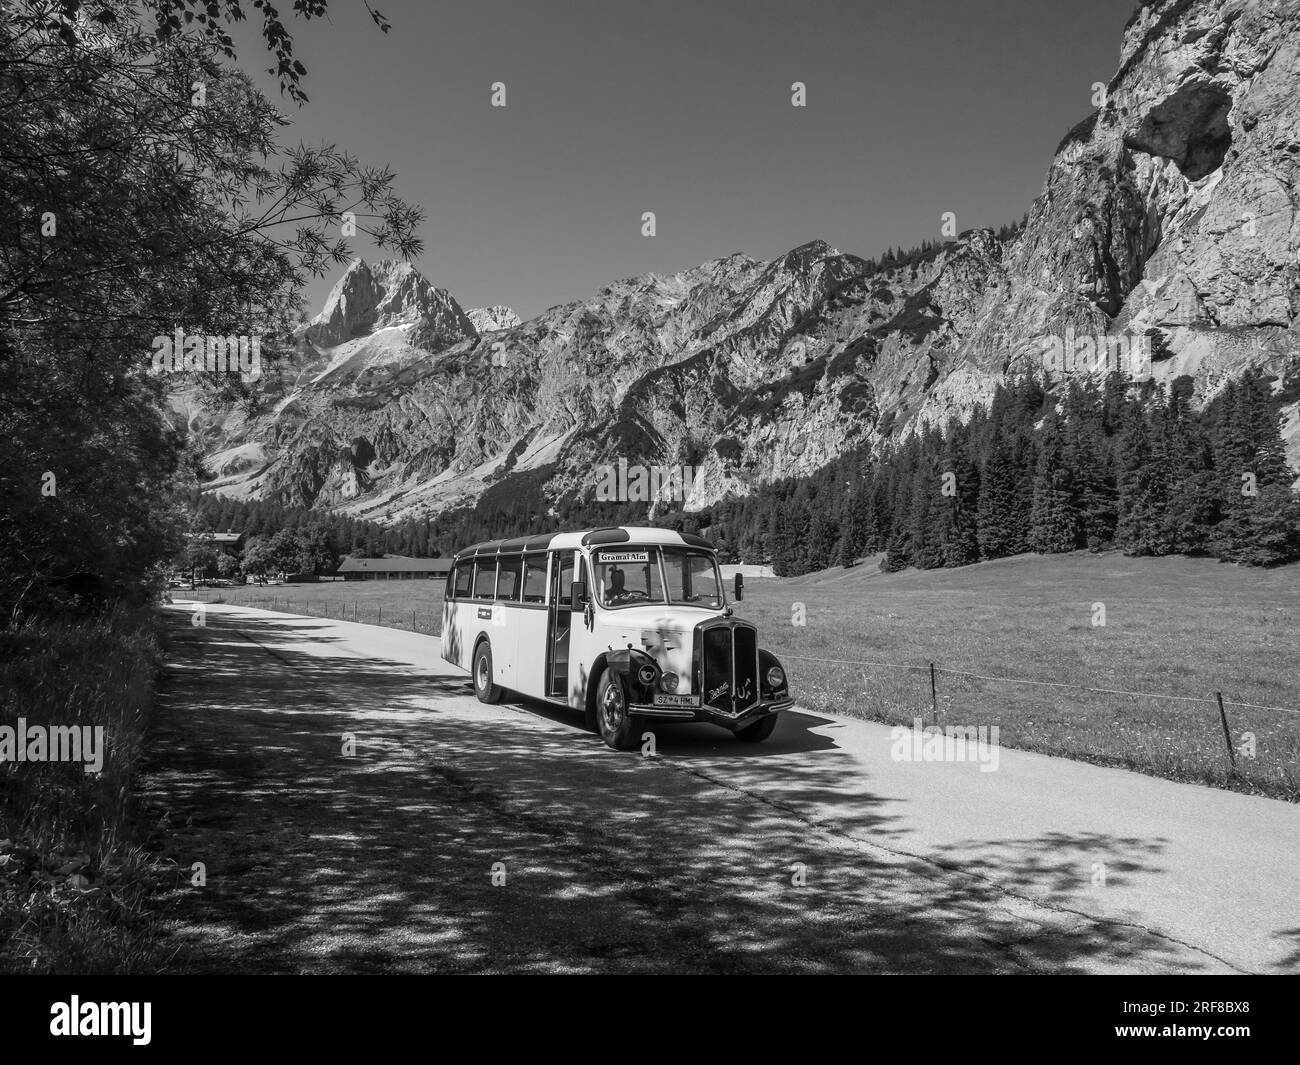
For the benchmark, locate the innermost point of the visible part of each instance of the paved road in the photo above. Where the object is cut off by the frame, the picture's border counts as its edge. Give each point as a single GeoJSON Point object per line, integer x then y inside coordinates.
{"type": "Point", "coordinates": [813, 852]}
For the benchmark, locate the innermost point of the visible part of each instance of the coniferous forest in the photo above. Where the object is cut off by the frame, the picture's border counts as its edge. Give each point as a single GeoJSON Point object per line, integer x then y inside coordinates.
{"type": "Point", "coordinates": [1089, 464]}
{"type": "Point", "coordinates": [1093, 465]}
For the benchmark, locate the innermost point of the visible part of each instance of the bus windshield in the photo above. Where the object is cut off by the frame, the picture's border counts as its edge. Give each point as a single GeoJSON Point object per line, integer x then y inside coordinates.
{"type": "Point", "coordinates": [692, 578]}
{"type": "Point", "coordinates": [630, 576]}
{"type": "Point", "coordinates": [627, 576]}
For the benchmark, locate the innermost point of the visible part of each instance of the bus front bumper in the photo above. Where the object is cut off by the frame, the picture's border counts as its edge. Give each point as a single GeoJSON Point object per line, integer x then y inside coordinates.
{"type": "Point", "coordinates": [710, 715]}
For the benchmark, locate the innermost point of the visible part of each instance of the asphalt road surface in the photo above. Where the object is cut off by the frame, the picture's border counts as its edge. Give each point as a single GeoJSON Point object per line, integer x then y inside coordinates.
{"type": "Point", "coordinates": [450, 836]}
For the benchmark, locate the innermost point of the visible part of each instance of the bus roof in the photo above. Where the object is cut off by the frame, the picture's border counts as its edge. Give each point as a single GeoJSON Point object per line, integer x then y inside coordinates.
{"type": "Point", "coordinates": [567, 541]}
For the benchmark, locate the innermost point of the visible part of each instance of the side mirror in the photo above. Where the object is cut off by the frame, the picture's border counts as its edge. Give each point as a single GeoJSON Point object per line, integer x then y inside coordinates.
{"type": "Point", "coordinates": [740, 587]}
{"type": "Point", "coordinates": [577, 595]}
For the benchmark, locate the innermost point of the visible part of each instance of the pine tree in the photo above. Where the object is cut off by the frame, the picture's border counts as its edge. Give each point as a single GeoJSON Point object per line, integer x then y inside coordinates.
{"type": "Point", "coordinates": [1087, 457]}
{"type": "Point", "coordinates": [1259, 514]}
{"type": "Point", "coordinates": [1003, 512]}
{"type": "Point", "coordinates": [956, 527]}
{"type": "Point", "coordinates": [823, 540]}
{"type": "Point", "coordinates": [1191, 509]}
{"type": "Point", "coordinates": [1053, 520]}
{"type": "Point", "coordinates": [1144, 480]}
{"type": "Point", "coordinates": [854, 537]}
{"type": "Point", "coordinates": [922, 544]}
{"type": "Point", "coordinates": [1233, 457]}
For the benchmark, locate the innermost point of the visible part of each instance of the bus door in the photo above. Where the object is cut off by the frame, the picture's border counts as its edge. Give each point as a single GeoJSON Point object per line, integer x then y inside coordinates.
{"type": "Point", "coordinates": [532, 623]}
{"type": "Point", "coordinates": [560, 625]}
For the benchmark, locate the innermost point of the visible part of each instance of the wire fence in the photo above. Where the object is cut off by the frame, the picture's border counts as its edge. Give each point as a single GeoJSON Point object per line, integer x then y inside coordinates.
{"type": "Point", "coordinates": [1208, 738]}
{"type": "Point", "coordinates": [1041, 683]}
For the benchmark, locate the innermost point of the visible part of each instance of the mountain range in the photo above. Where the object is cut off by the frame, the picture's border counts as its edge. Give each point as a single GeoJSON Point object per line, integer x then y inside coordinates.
{"type": "Point", "coordinates": [1169, 213]}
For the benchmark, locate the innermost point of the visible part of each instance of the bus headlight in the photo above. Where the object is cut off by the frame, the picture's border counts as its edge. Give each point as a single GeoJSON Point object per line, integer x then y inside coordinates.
{"type": "Point", "coordinates": [646, 675]}
{"type": "Point", "coordinates": [668, 682]}
{"type": "Point", "coordinates": [776, 677]}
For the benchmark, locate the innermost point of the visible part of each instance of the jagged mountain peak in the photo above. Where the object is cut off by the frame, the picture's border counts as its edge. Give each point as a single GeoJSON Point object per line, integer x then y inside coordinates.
{"type": "Point", "coordinates": [390, 293]}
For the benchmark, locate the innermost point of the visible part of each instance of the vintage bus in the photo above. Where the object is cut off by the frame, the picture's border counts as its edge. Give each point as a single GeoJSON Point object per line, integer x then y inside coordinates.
{"type": "Point", "coordinates": [625, 625]}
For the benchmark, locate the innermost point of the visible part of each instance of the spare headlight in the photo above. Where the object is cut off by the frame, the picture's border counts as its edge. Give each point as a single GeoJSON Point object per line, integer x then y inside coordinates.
{"type": "Point", "coordinates": [668, 682]}
{"type": "Point", "coordinates": [646, 674]}
{"type": "Point", "coordinates": [776, 677]}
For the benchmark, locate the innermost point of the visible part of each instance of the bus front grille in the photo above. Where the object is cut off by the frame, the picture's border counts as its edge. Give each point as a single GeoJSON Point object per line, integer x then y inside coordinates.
{"type": "Point", "coordinates": [729, 668]}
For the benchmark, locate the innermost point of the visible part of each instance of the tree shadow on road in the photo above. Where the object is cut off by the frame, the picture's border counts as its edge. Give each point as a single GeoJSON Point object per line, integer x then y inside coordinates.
{"type": "Point", "coordinates": [462, 838]}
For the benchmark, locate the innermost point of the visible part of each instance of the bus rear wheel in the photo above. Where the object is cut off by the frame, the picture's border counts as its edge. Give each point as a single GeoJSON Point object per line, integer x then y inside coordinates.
{"type": "Point", "coordinates": [618, 727]}
{"type": "Point", "coordinates": [759, 730]}
{"type": "Point", "coordinates": [486, 691]}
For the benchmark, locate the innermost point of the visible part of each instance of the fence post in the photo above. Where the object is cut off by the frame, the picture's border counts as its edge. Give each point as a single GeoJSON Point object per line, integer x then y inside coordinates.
{"type": "Point", "coordinates": [355, 614]}
{"type": "Point", "coordinates": [934, 696]}
{"type": "Point", "coordinates": [413, 629]}
{"type": "Point", "coordinates": [1227, 735]}
{"type": "Point", "coordinates": [381, 615]}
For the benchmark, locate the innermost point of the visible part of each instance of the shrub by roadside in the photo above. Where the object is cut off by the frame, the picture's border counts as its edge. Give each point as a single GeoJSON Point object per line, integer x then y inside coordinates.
{"type": "Point", "coordinates": [73, 879]}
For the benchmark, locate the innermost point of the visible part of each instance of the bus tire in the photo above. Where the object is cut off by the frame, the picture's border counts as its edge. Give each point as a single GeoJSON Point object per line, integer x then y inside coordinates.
{"type": "Point", "coordinates": [618, 728]}
{"type": "Point", "coordinates": [759, 730]}
{"type": "Point", "coordinates": [486, 691]}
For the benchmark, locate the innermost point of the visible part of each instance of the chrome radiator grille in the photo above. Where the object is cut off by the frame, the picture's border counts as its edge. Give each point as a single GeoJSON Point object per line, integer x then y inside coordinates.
{"type": "Point", "coordinates": [729, 668]}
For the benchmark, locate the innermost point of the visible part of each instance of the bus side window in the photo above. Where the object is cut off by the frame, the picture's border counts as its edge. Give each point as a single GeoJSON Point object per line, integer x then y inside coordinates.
{"type": "Point", "coordinates": [508, 574]}
{"type": "Point", "coordinates": [485, 578]}
{"type": "Point", "coordinates": [464, 574]}
{"type": "Point", "coordinates": [566, 578]}
{"type": "Point", "coordinates": [535, 579]}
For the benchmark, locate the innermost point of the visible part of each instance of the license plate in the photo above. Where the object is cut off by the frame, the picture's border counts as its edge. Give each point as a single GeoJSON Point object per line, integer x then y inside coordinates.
{"type": "Point", "coordinates": [690, 701]}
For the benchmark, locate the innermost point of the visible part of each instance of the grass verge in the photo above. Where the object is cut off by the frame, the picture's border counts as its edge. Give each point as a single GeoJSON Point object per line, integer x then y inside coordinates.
{"type": "Point", "coordinates": [74, 880]}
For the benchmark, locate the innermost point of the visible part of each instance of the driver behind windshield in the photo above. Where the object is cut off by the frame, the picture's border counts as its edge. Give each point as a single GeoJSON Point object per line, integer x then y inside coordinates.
{"type": "Point", "coordinates": [617, 592]}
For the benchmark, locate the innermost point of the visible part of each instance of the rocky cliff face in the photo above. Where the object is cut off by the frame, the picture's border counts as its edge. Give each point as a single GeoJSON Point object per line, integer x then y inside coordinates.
{"type": "Point", "coordinates": [1173, 207]}
{"type": "Point", "coordinates": [492, 319]}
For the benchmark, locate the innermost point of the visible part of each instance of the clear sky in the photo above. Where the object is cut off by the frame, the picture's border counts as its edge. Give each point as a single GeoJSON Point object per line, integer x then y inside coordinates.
{"type": "Point", "coordinates": [683, 108]}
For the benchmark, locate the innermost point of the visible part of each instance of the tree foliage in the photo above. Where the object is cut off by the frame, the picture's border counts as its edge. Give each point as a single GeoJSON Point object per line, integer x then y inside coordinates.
{"type": "Point", "coordinates": [144, 190]}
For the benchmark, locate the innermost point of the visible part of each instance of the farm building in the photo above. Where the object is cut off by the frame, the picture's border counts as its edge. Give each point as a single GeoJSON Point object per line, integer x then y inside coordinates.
{"type": "Point", "coordinates": [228, 543]}
{"type": "Point", "coordinates": [394, 567]}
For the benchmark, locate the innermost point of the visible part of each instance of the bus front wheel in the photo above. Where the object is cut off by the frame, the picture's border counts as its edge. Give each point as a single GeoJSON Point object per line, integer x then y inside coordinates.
{"type": "Point", "coordinates": [486, 691]}
{"type": "Point", "coordinates": [618, 727]}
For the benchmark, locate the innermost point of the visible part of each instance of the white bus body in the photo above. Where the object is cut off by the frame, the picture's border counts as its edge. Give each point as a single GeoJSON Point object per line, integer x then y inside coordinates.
{"type": "Point", "coordinates": [648, 636]}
